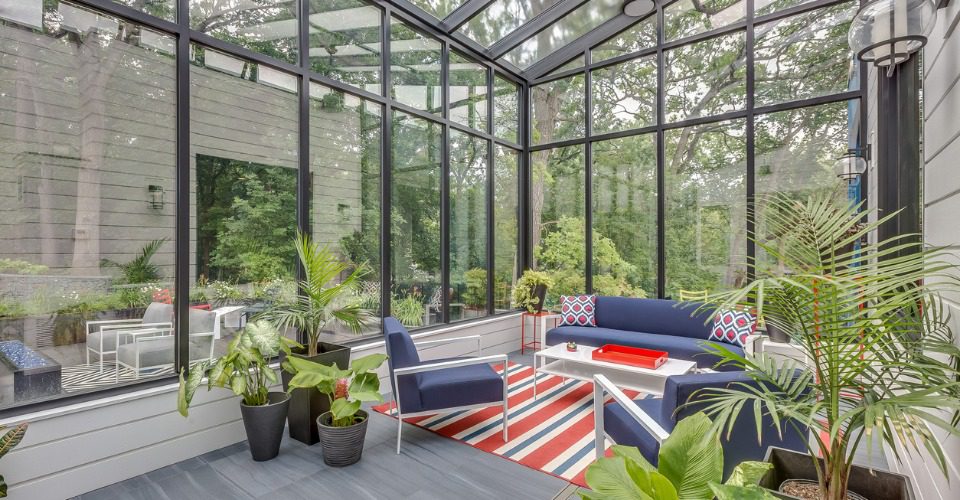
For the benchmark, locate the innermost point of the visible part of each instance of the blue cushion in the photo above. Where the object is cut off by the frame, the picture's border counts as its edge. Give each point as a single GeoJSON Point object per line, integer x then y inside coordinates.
{"type": "Point", "coordinates": [664, 317]}
{"type": "Point", "coordinates": [402, 353]}
{"type": "Point", "coordinates": [461, 386]}
{"type": "Point", "coordinates": [678, 347]}
{"type": "Point", "coordinates": [623, 429]}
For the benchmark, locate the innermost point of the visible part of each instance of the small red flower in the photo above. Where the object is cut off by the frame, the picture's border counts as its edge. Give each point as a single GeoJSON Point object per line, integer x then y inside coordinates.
{"type": "Point", "coordinates": [340, 391]}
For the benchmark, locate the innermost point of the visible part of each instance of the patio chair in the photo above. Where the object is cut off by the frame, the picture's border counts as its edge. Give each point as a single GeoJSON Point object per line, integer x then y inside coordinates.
{"type": "Point", "coordinates": [442, 385]}
{"type": "Point", "coordinates": [152, 348]}
{"type": "Point", "coordinates": [645, 423]}
{"type": "Point", "coordinates": [435, 305]}
{"type": "Point", "coordinates": [102, 335]}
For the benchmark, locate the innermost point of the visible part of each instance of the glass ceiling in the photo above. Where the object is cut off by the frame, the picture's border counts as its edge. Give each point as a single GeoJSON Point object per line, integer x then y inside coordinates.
{"type": "Point", "coordinates": [565, 30]}
{"type": "Point", "coordinates": [501, 18]}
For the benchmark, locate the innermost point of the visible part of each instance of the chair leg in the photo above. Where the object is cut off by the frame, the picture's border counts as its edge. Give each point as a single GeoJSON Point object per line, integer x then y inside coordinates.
{"type": "Point", "coordinates": [506, 406]}
{"type": "Point", "coordinates": [399, 428]}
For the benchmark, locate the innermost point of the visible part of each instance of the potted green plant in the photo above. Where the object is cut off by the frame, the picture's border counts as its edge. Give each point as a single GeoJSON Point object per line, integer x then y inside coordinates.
{"type": "Point", "coordinates": [409, 309]}
{"type": "Point", "coordinates": [689, 466]}
{"type": "Point", "coordinates": [322, 303]}
{"type": "Point", "coordinates": [882, 361]}
{"type": "Point", "coordinates": [342, 429]}
{"type": "Point", "coordinates": [8, 441]}
{"type": "Point", "coordinates": [245, 370]}
{"type": "Point", "coordinates": [531, 290]}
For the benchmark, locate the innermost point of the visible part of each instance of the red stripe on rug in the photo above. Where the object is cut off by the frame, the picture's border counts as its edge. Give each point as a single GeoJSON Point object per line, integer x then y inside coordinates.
{"type": "Point", "coordinates": [576, 423]}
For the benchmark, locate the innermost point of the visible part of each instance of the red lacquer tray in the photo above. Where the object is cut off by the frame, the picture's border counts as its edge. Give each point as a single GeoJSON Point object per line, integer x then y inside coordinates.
{"type": "Point", "coordinates": [634, 356]}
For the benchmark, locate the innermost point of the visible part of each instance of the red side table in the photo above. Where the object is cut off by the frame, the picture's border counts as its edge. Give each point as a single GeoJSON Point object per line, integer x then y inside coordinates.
{"type": "Point", "coordinates": [539, 319]}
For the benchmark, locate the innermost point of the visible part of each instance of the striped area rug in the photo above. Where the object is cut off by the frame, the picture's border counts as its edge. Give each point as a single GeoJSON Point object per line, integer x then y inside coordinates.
{"type": "Point", "coordinates": [553, 434]}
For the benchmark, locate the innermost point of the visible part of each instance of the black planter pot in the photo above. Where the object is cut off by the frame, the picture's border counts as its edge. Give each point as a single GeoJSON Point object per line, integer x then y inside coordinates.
{"type": "Point", "coordinates": [342, 445]}
{"type": "Point", "coordinates": [540, 292]}
{"type": "Point", "coordinates": [264, 425]}
{"type": "Point", "coordinates": [308, 404]}
{"type": "Point", "coordinates": [776, 334]}
{"type": "Point", "coordinates": [873, 485]}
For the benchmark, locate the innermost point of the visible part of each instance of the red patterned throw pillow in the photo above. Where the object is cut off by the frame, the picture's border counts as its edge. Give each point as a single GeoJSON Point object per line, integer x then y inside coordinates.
{"type": "Point", "coordinates": [578, 310]}
{"type": "Point", "coordinates": [733, 327]}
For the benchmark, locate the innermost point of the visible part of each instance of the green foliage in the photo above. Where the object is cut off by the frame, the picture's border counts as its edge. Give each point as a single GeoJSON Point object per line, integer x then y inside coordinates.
{"type": "Point", "coordinates": [224, 292]}
{"type": "Point", "coordinates": [475, 294]}
{"type": "Point", "coordinates": [324, 301]}
{"type": "Point", "coordinates": [562, 253]}
{"type": "Point", "coordinates": [409, 309]}
{"type": "Point", "coordinates": [245, 217]}
{"type": "Point", "coordinates": [141, 269]}
{"type": "Point", "coordinates": [8, 441]}
{"type": "Point", "coordinates": [872, 325]}
{"type": "Point", "coordinates": [690, 467]}
{"type": "Point", "coordinates": [347, 389]}
{"type": "Point", "coordinates": [523, 291]}
{"type": "Point", "coordinates": [12, 309]}
{"type": "Point", "coordinates": [17, 266]}
{"type": "Point", "coordinates": [244, 368]}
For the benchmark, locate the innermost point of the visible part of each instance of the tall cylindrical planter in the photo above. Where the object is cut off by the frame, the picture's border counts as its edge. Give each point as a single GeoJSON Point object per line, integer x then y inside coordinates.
{"type": "Point", "coordinates": [264, 425]}
{"type": "Point", "coordinates": [306, 405]}
{"type": "Point", "coordinates": [776, 334]}
{"type": "Point", "coordinates": [342, 445]}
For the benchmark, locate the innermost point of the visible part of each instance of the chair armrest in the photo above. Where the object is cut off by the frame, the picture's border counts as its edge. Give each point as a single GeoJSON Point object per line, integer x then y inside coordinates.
{"type": "Point", "coordinates": [451, 340]}
{"type": "Point", "coordinates": [751, 343]}
{"type": "Point", "coordinates": [106, 322]}
{"type": "Point", "coordinates": [426, 367]}
{"type": "Point", "coordinates": [139, 326]}
{"type": "Point", "coordinates": [602, 385]}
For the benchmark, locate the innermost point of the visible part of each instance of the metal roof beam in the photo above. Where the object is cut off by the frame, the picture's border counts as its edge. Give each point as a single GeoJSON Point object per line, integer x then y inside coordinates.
{"type": "Point", "coordinates": [537, 24]}
{"type": "Point", "coordinates": [462, 14]}
{"type": "Point", "coordinates": [593, 37]}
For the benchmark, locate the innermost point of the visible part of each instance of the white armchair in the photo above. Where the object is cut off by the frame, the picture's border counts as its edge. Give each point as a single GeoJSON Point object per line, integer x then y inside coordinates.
{"type": "Point", "coordinates": [149, 348]}
{"type": "Point", "coordinates": [103, 336]}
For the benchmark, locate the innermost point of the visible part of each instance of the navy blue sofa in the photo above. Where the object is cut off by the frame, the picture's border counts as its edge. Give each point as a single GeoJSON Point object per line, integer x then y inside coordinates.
{"type": "Point", "coordinates": [664, 325]}
{"type": "Point", "coordinates": [679, 400]}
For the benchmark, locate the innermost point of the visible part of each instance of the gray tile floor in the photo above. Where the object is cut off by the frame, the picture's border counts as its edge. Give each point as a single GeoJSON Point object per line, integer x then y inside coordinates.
{"type": "Point", "coordinates": [430, 467]}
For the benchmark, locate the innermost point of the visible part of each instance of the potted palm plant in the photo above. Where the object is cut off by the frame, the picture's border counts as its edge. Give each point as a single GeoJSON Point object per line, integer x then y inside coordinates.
{"type": "Point", "coordinates": [342, 428]}
{"type": "Point", "coordinates": [881, 358]}
{"type": "Point", "coordinates": [322, 303]}
{"type": "Point", "coordinates": [244, 369]}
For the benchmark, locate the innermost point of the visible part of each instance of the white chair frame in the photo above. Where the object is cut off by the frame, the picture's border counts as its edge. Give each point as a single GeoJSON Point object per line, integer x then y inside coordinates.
{"type": "Point", "coordinates": [603, 386]}
{"type": "Point", "coordinates": [143, 336]}
{"type": "Point", "coordinates": [116, 324]}
{"type": "Point", "coordinates": [426, 367]}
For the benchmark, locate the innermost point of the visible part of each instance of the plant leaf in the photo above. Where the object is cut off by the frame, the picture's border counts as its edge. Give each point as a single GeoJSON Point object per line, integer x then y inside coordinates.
{"type": "Point", "coordinates": [367, 363]}
{"type": "Point", "coordinates": [748, 473]}
{"type": "Point", "coordinates": [692, 457]}
{"type": "Point", "coordinates": [366, 387]}
{"type": "Point", "coordinates": [734, 492]}
{"type": "Point", "coordinates": [609, 479]}
{"type": "Point", "coordinates": [341, 408]}
{"type": "Point", "coordinates": [12, 438]}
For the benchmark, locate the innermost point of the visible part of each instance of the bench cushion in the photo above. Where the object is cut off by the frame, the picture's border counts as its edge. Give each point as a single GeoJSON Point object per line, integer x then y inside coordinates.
{"type": "Point", "coordinates": [678, 347]}
{"type": "Point", "coordinates": [665, 317]}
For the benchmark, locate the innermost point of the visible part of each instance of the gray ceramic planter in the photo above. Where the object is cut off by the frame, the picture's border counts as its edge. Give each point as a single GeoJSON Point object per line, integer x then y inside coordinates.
{"type": "Point", "coordinates": [874, 485]}
{"type": "Point", "coordinates": [306, 405]}
{"type": "Point", "coordinates": [342, 445]}
{"type": "Point", "coordinates": [264, 425]}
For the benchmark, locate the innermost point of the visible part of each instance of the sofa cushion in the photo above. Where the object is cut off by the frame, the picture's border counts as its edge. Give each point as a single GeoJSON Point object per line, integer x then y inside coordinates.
{"type": "Point", "coordinates": [623, 429]}
{"type": "Point", "coordinates": [733, 327]}
{"type": "Point", "coordinates": [578, 310]}
{"type": "Point", "coordinates": [665, 317]}
{"type": "Point", "coordinates": [678, 347]}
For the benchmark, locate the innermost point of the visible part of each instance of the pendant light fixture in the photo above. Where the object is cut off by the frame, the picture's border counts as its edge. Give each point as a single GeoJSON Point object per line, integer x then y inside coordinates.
{"type": "Point", "coordinates": [887, 32]}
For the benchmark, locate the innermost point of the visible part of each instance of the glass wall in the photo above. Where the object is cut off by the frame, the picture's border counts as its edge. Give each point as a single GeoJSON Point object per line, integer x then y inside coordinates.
{"type": "Point", "coordinates": [679, 137]}
{"type": "Point", "coordinates": [468, 225]}
{"type": "Point", "coordinates": [87, 202]}
{"type": "Point", "coordinates": [345, 149]}
{"type": "Point", "coordinates": [415, 221]}
{"type": "Point", "coordinates": [94, 141]}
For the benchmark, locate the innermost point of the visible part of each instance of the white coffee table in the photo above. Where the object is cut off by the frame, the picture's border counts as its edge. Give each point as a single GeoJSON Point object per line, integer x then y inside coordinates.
{"type": "Point", "coordinates": [579, 365]}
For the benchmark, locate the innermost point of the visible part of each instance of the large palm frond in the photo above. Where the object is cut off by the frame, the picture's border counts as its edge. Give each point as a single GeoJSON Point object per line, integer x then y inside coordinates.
{"type": "Point", "coordinates": [869, 319]}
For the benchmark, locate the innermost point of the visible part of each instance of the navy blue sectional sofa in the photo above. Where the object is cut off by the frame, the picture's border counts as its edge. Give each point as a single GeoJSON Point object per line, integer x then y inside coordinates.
{"type": "Point", "coordinates": [663, 325]}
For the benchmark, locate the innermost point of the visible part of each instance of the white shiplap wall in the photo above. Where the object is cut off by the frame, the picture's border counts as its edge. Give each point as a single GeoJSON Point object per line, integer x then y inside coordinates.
{"type": "Point", "coordinates": [72, 450]}
{"type": "Point", "coordinates": [941, 185]}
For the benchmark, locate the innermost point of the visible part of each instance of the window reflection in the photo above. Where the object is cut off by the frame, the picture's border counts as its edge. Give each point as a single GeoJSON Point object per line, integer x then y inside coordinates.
{"type": "Point", "coordinates": [345, 42]}
{"type": "Point", "coordinates": [265, 26]}
{"type": "Point", "coordinates": [468, 226]}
